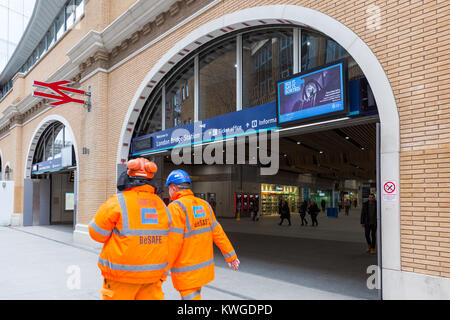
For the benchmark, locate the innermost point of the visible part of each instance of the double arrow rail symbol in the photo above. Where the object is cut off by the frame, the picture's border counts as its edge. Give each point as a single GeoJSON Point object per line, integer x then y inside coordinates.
{"type": "Point", "coordinates": [60, 88]}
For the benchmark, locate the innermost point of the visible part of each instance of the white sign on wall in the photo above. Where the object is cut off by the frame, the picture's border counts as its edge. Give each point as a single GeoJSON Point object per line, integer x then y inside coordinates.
{"type": "Point", "coordinates": [70, 201]}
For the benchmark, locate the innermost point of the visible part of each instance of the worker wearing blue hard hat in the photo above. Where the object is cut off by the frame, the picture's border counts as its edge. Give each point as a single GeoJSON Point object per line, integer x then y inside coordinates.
{"type": "Point", "coordinates": [178, 177]}
{"type": "Point", "coordinates": [194, 229]}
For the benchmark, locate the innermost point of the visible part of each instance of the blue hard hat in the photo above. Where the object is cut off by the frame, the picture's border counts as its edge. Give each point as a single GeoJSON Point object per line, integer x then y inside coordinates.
{"type": "Point", "coordinates": [177, 177]}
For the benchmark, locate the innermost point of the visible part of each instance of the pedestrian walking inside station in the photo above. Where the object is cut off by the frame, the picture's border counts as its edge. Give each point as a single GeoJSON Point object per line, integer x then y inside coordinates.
{"type": "Point", "coordinates": [285, 212]}
{"type": "Point", "coordinates": [255, 211]}
{"type": "Point", "coordinates": [348, 204]}
{"type": "Point", "coordinates": [313, 211]}
{"type": "Point", "coordinates": [369, 222]}
{"type": "Point", "coordinates": [302, 210]}
{"type": "Point", "coordinates": [194, 230]}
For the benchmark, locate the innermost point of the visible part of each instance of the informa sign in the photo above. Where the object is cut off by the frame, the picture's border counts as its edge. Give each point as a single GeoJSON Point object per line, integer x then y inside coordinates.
{"type": "Point", "coordinates": [244, 122]}
{"type": "Point", "coordinates": [70, 201]}
{"type": "Point", "coordinates": [390, 190]}
{"type": "Point", "coordinates": [317, 93]}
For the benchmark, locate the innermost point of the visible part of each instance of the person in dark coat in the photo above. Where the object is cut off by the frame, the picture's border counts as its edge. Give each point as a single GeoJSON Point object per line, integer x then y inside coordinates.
{"type": "Point", "coordinates": [255, 210]}
{"type": "Point", "coordinates": [313, 211]}
{"type": "Point", "coordinates": [347, 206]}
{"type": "Point", "coordinates": [369, 222]}
{"type": "Point", "coordinates": [323, 204]}
{"type": "Point", "coordinates": [302, 210]}
{"type": "Point", "coordinates": [285, 212]}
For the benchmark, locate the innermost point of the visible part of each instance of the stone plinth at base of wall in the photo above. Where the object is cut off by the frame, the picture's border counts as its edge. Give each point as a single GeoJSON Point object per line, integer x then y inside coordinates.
{"type": "Point", "coordinates": [414, 286]}
{"type": "Point", "coordinates": [17, 220]}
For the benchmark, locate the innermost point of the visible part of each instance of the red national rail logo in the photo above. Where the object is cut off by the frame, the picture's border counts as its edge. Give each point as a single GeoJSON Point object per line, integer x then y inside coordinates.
{"type": "Point", "coordinates": [59, 87]}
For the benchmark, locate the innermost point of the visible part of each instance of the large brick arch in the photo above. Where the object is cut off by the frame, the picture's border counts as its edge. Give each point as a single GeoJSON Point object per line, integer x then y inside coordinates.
{"type": "Point", "coordinates": [355, 46]}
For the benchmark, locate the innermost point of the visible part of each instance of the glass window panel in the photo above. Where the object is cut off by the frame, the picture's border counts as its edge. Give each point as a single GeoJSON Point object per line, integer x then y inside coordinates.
{"type": "Point", "coordinates": [58, 143]}
{"type": "Point", "coordinates": [15, 27]}
{"type": "Point", "coordinates": [4, 19]}
{"type": "Point", "coordinates": [313, 50]}
{"type": "Point", "coordinates": [318, 50]}
{"type": "Point", "coordinates": [51, 36]}
{"type": "Point", "coordinates": [68, 138]}
{"type": "Point", "coordinates": [28, 6]}
{"type": "Point", "coordinates": [53, 142]}
{"type": "Point", "coordinates": [48, 150]}
{"type": "Point", "coordinates": [11, 48]}
{"type": "Point", "coordinates": [3, 54]}
{"type": "Point", "coordinates": [151, 118]}
{"type": "Point", "coordinates": [60, 25]}
{"type": "Point", "coordinates": [334, 51]}
{"type": "Point", "coordinates": [70, 14]}
{"type": "Point", "coordinates": [217, 80]}
{"type": "Point", "coordinates": [267, 57]}
{"type": "Point", "coordinates": [36, 55]}
{"type": "Point", "coordinates": [16, 5]}
{"type": "Point", "coordinates": [41, 47]}
{"type": "Point", "coordinates": [179, 112]}
{"type": "Point", "coordinates": [79, 8]}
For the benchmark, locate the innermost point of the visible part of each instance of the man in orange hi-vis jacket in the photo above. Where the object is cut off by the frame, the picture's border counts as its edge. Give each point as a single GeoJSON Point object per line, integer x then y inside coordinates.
{"type": "Point", "coordinates": [194, 229]}
{"type": "Point", "coordinates": [134, 227]}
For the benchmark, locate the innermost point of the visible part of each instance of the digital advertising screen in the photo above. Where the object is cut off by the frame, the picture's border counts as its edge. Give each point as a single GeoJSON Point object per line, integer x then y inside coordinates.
{"type": "Point", "coordinates": [317, 93]}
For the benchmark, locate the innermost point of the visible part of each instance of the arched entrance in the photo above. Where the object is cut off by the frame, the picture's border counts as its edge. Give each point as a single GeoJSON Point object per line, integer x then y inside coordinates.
{"type": "Point", "coordinates": [388, 143]}
{"type": "Point", "coordinates": [50, 187]}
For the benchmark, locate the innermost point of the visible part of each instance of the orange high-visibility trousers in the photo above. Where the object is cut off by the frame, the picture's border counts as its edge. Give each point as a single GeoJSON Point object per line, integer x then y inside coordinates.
{"type": "Point", "coordinates": [191, 294]}
{"type": "Point", "coordinates": [115, 290]}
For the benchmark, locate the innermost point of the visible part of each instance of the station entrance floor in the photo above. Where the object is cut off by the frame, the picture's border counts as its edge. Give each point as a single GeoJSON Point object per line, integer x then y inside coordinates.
{"type": "Point", "coordinates": [277, 263]}
{"type": "Point", "coordinates": [329, 258]}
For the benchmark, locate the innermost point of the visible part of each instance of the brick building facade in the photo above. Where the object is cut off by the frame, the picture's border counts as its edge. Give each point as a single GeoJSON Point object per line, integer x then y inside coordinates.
{"type": "Point", "coordinates": [120, 49]}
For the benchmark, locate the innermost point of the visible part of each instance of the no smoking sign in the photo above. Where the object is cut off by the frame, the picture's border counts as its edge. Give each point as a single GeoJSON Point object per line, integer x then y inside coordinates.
{"type": "Point", "coordinates": [390, 190]}
{"type": "Point", "coordinates": [389, 187]}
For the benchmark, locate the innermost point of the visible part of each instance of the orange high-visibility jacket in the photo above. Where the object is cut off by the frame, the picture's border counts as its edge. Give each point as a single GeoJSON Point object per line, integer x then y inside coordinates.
{"type": "Point", "coordinates": [195, 228]}
{"type": "Point", "coordinates": [134, 227]}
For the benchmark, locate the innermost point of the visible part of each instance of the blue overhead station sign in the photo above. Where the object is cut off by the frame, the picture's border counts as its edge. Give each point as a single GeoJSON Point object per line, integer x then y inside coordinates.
{"type": "Point", "coordinates": [47, 166]}
{"type": "Point", "coordinates": [239, 123]}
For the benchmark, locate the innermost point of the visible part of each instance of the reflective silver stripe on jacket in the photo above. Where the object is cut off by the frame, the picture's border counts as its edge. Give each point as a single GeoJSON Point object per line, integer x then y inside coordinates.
{"type": "Point", "coordinates": [192, 295]}
{"type": "Point", "coordinates": [141, 232]}
{"type": "Point", "coordinates": [183, 207]}
{"type": "Point", "coordinates": [168, 214]}
{"type": "Point", "coordinates": [215, 224]}
{"type": "Point", "coordinates": [123, 207]}
{"type": "Point", "coordinates": [229, 255]}
{"type": "Point", "coordinates": [193, 267]}
{"type": "Point", "coordinates": [210, 213]}
{"type": "Point", "coordinates": [99, 230]}
{"type": "Point", "coordinates": [197, 231]}
{"type": "Point", "coordinates": [136, 232]}
{"type": "Point", "coordinates": [124, 267]}
{"type": "Point", "coordinates": [176, 230]}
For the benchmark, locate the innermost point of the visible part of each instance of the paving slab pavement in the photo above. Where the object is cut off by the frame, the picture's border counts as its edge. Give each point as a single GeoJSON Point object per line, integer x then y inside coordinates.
{"type": "Point", "coordinates": [38, 263]}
